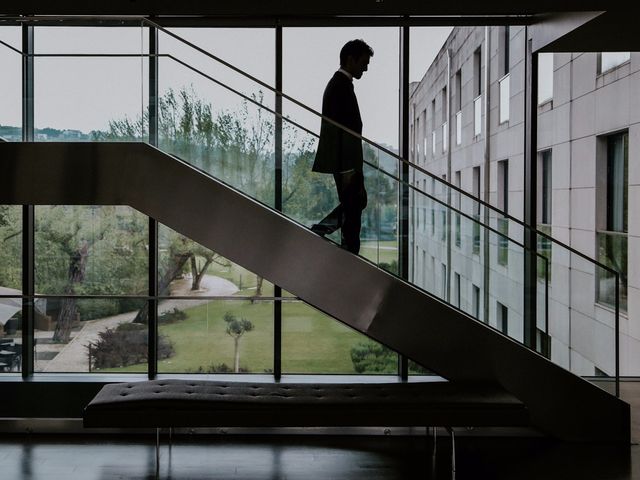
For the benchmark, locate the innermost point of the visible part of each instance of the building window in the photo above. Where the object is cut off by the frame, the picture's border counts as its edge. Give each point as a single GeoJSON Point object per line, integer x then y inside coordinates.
{"type": "Point", "coordinates": [458, 290]}
{"type": "Point", "coordinates": [503, 49]}
{"type": "Point", "coordinates": [433, 127]}
{"type": "Point", "coordinates": [477, 116]}
{"type": "Point", "coordinates": [545, 77]}
{"type": "Point", "coordinates": [458, 86]}
{"type": "Point", "coordinates": [424, 134]}
{"type": "Point", "coordinates": [475, 302]}
{"type": "Point", "coordinates": [612, 234]}
{"type": "Point", "coordinates": [458, 200]}
{"type": "Point", "coordinates": [544, 212]}
{"type": "Point", "coordinates": [504, 97]}
{"type": "Point", "coordinates": [611, 60]}
{"type": "Point", "coordinates": [476, 211]}
{"type": "Point", "coordinates": [502, 317]}
{"type": "Point", "coordinates": [424, 203]}
{"type": "Point", "coordinates": [443, 212]}
{"type": "Point", "coordinates": [503, 204]}
{"type": "Point", "coordinates": [477, 72]}
{"type": "Point", "coordinates": [445, 136]}
{"type": "Point", "coordinates": [544, 187]}
{"type": "Point", "coordinates": [433, 207]}
{"type": "Point", "coordinates": [458, 106]}
{"type": "Point", "coordinates": [412, 134]}
{"type": "Point", "coordinates": [443, 283]}
{"type": "Point", "coordinates": [477, 92]}
{"type": "Point", "coordinates": [445, 129]}
{"type": "Point", "coordinates": [503, 186]}
{"type": "Point", "coordinates": [417, 140]}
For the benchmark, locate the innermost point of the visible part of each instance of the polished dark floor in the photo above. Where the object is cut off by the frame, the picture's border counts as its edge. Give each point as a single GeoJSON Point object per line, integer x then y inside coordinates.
{"type": "Point", "coordinates": [198, 457]}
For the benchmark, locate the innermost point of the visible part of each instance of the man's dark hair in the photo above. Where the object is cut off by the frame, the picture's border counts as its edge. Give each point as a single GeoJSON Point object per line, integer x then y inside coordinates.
{"type": "Point", "coordinates": [355, 49]}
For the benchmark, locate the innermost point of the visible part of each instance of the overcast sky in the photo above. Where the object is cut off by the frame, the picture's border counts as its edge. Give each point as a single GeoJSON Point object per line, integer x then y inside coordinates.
{"type": "Point", "coordinates": [85, 93]}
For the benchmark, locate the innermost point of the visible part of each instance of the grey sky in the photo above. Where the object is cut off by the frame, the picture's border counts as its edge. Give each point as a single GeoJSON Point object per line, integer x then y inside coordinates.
{"type": "Point", "coordinates": [85, 93]}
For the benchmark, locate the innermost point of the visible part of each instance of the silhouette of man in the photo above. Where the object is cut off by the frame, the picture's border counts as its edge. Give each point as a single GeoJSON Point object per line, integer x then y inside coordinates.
{"type": "Point", "coordinates": [340, 152]}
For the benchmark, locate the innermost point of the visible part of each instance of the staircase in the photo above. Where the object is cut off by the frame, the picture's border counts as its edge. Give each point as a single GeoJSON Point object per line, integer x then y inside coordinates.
{"type": "Point", "coordinates": [351, 289]}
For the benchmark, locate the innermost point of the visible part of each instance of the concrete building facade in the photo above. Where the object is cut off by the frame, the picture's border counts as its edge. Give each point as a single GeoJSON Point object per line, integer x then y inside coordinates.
{"type": "Point", "coordinates": [467, 127]}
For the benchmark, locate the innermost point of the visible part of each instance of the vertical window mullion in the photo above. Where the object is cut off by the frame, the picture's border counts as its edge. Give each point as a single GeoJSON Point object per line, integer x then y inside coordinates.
{"type": "Point", "coordinates": [277, 291]}
{"type": "Point", "coordinates": [28, 211]}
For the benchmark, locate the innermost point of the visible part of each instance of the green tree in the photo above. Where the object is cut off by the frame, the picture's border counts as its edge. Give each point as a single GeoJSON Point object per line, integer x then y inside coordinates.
{"type": "Point", "coordinates": [88, 251]}
{"type": "Point", "coordinates": [236, 329]}
{"type": "Point", "coordinates": [10, 246]}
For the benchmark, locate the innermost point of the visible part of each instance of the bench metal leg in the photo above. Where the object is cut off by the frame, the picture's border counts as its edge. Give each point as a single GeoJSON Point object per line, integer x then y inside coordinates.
{"type": "Point", "coordinates": [157, 452]}
{"type": "Point", "coordinates": [453, 452]}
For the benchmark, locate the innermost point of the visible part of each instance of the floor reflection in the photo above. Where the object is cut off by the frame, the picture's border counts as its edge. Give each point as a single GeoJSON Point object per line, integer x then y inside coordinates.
{"type": "Point", "coordinates": [197, 457]}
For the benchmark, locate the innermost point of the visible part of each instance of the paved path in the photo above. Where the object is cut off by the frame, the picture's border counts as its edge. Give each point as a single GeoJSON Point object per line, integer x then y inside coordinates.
{"type": "Point", "coordinates": [74, 356]}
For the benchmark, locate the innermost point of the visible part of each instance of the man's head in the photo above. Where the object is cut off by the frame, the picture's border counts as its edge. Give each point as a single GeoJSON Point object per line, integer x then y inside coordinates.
{"type": "Point", "coordinates": [354, 57]}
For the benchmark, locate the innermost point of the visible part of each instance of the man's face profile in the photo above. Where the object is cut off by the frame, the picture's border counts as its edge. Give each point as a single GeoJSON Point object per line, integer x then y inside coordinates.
{"type": "Point", "coordinates": [357, 66]}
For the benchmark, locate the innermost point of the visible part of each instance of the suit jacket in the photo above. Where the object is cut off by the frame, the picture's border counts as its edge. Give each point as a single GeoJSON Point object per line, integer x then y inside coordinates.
{"type": "Point", "coordinates": [339, 151]}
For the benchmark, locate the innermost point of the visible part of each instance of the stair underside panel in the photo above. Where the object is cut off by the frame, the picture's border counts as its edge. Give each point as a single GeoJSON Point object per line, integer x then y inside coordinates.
{"type": "Point", "coordinates": [340, 284]}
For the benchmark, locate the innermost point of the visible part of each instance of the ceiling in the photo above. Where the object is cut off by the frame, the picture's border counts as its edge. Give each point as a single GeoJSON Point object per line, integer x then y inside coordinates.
{"type": "Point", "coordinates": [614, 26]}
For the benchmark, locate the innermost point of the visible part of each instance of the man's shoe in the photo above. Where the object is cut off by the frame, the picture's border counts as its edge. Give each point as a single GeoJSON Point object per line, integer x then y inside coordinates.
{"type": "Point", "coordinates": [319, 229]}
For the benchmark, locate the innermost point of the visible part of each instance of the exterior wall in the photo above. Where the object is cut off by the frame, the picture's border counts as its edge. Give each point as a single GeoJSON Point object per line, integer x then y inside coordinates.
{"type": "Point", "coordinates": [585, 107]}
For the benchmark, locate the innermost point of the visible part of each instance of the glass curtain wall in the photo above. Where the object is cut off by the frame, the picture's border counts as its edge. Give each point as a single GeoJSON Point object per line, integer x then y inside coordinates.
{"type": "Point", "coordinates": [312, 342]}
{"type": "Point", "coordinates": [84, 253]}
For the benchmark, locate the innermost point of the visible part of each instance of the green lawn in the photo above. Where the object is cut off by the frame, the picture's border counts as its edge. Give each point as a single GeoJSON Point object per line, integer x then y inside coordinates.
{"type": "Point", "coordinates": [386, 254]}
{"type": "Point", "coordinates": [311, 342]}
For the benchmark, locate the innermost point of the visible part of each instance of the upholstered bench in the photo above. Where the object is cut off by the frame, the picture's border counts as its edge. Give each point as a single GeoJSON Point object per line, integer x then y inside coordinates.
{"type": "Point", "coordinates": [194, 403]}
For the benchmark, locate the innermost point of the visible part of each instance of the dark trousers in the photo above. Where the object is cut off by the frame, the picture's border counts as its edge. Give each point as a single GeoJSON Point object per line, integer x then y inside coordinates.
{"type": "Point", "coordinates": [348, 214]}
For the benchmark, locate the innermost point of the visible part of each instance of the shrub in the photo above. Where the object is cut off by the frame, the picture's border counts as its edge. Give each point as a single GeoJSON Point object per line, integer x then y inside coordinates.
{"type": "Point", "coordinates": [92, 308]}
{"type": "Point", "coordinates": [127, 344]}
{"type": "Point", "coordinates": [373, 358]}
{"type": "Point", "coordinates": [172, 316]}
{"type": "Point", "coordinates": [219, 368]}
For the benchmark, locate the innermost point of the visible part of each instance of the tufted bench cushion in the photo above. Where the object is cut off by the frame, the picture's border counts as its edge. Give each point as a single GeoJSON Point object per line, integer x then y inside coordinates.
{"type": "Point", "coordinates": [193, 403]}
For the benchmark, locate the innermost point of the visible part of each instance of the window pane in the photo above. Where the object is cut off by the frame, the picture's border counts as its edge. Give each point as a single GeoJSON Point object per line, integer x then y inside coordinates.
{"type": "Point", "coordinates": [313, 342]}
{"type": "Point", "coordinates": [305, 76]}
{"type": "Point", "coordinates": [186, 268]}
{"type": "Point", "coordinates": [11, 85]}
{"type": "Point", "coordinates": [217, 336]}
{"type": "Point", "coordinates": [10, 332]}
{"type": "Point", "coordinates": [89, 98]}
{"type": "Point", "coordinates": [545, 77]}
{"type": "Point", "coordinates": [104, 335]}
{"type": "Point", "coordinates": [617, 183]}
{"type": "Point", "coordinates": [11, 248]}
{"type": "Point", "coordinates": [229, 135]}
{"type": "Point", "coordinates": [612, 252]}
{"type": "Point", "coordinates": [90, 250]}
{"type": "Point", "coordinates": [504, 98]}
{"type": "Point", "coordinates": [613, 59]}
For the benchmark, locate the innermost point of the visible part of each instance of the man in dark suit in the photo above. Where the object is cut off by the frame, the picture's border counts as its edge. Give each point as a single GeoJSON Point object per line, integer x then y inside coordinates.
{"type": "Point", "coordinates": [340, 152]}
